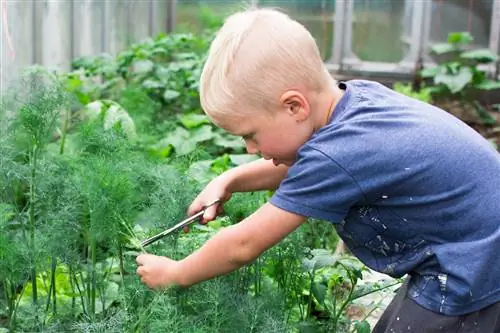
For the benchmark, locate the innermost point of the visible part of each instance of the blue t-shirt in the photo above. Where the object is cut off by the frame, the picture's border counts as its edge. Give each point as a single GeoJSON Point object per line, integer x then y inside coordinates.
{"type": "Point", "coordinates": [410, 189]}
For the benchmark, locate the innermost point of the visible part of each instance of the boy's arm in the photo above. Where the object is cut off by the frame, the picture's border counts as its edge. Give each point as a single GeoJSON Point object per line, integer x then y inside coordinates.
{"type": "Point", "coordinates": [231, 248]}
{"type": "Point", "coordinates": [255, 176]}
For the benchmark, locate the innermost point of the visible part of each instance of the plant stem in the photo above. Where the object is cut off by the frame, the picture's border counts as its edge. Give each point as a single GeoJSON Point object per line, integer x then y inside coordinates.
{"type": "Point", "coordinates": [80, 292]}
{"type": "Point", "coordinates": [73, 291]}
{"type": "Point", "coordinates": [122, 265]}
{"type": "Point", "coordinates": [33, 164]}
{"type": "Point", "coordinates": [310, 302]}
{"type": "Point", "coordinates": [53, 284]}
{"type": "Point", "coordinates": [10, 305]}
{"type": "Point", "coordinates": [67, 116]}
{"type": "Point", "coordinates": [349, 299]}
{"type": "Point", "coordinates": [94, 278]}
{"type": "Point", "coordinates": [52, 288]}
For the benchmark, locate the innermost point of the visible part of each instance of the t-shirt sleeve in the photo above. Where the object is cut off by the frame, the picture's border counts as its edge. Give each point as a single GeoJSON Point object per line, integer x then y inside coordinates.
{"type": "Point", "coordinates": [316, 186]}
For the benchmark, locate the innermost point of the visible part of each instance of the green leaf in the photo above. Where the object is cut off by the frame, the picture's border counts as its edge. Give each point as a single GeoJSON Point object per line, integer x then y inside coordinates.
{"type": "Point", "coordinates": [484, 56]}
{"type": "Point", "coordinates": [158, 50]}
{"type": "Point", "coordinates": [152, 84]}
{"type": "Point", "coordinates": [221, 164]}
{"type": "Point", "coordinates": [193, 120]}
{"type": "Point", "coordinates": [321, 258]}
{"type": "Point", "coordinates": [240, 159]}
{"type": "Point", "coordinates": [362, 327]}
{"type": "Point", "coordinates": [453, 67]}
{"type": "Point", "coordinates": [163, 73]}
{"type": "Point", "coordinates": [460, 38]}
{"type": "Point", "coordinates": [201, 171]}
{"type": "Point", "coordinates": [203, 133]}
{"type": "Point", "coordinates": [184, 141]}
{"type": "Point", "coordinates": [229, 141]}
{"type": "Point", "coordinates": [112, 114]}
{"type": "Point", "coordinates": [170, 95]}
{"type": "Point", "coordinates": [442, 48]}
{"type": "Point", "coordinates": [182, 65]}
{"type": "Point", "coordinates": [319, 292]}
{"type": "Point", "coordinates": [179, 139]}
{"type": "Point", "coordinates": [488, 85]}
{"type": "Point", "coordinates": [455, 83]}
{"type": "Point", "coordinates": [485, 117]}
{"type": "Point", "coordinates": [430, 72]}
{"type": "Point", "coordinates": [186, 56]}
{"type": "Point", "coordinates": [143, 66]}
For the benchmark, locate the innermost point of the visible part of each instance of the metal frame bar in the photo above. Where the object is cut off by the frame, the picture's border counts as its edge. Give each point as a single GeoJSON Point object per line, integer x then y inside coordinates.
{"type": "Point", "coordinates": [344, 61]}
{"type": "Point", "coordinates": [347, 61]}
{"type": "Point", "coordinates": [495, 27]}
{"type": "Point", "coordinates": [426, 32]}
{"type": "Point", "coordinates": [171, 15]}
{"type": "Point", "coordinates": [338, 33]}
{"type": "Point", "coordinates": [416, 46]}
{"type": "Point", "coordinates": [495, 35]}
{"type": "Point", "coordinates": [494, 42]}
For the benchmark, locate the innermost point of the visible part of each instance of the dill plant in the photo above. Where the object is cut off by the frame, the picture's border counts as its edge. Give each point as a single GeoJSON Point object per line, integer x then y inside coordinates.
{"type": "Point", "coordinates": [76, 199]}
{"type": "Point", "coordinates": [30, 117]}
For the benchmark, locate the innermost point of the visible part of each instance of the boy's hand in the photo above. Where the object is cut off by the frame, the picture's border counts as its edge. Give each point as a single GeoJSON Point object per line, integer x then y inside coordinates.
{"type": "Point", "coordinates": [231, 248]}
{"type": "Point", "coordinates": [254, 176]}
{"type": "Point", "coordinates": [216, 189]}
{"type": "Point", "coordinates": [157, 272]}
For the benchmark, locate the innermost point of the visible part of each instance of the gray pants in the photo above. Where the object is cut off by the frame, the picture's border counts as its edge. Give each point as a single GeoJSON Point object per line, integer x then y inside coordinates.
{"type": "Point", "coordinates": [404, 315]}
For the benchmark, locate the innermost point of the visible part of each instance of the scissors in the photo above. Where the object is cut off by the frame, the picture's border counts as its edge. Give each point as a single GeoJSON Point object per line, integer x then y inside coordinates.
{"type": "Point", "coordinates": [179, 225]}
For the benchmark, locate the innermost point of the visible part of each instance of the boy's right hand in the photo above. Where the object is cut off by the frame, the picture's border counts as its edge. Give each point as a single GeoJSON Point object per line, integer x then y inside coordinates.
{"type": "Point", "coordinates": [216, 189]}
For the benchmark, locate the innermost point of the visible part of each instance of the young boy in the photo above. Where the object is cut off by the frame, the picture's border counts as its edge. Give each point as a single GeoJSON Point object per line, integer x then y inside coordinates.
{"type": "Point", "coordinates": [409, 188]}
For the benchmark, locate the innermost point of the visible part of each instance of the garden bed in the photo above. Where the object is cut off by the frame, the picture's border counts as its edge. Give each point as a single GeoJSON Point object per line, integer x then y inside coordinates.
{"type": "Point", "coordinates": [95, 160]}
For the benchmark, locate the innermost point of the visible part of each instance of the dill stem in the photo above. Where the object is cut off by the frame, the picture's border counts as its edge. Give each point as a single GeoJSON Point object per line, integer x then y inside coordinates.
{"type": "Point", "coordinates": [33, 164]}
{"type": "Point", "coordinates": [93, 250]}
{"type": "Point", "coordinates": [10, 301]}
{"type": "Point", "coordinates": [52, 288]}
{"type": "Point", "coordinates": [67, 116]}
{"type": "Point", "coordinates": [120, 258]}
{"type": "Point", "coordinates": [53, 284]}
{"type": "Point", "coordinates": [73, 291]}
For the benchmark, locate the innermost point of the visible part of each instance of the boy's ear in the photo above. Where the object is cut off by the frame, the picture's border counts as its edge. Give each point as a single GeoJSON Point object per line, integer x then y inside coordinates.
{"type": "Point", "coordinates": [296, 104]}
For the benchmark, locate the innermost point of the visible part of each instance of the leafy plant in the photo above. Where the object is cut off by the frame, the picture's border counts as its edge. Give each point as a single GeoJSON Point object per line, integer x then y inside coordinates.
{"type": "Point", "coordinates": [459, 74]}
{"type": "Point", "coordinates": [424, 94]}
{"type": "Point", "coordinates": [96, 160]}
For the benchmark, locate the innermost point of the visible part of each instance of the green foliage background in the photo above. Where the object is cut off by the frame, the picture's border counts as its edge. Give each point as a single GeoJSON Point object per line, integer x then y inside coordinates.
{"type": "Point", "coordinates": [95, 160]}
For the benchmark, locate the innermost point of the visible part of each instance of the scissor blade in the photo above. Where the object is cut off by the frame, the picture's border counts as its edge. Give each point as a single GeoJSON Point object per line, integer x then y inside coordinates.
{"type": "Point", "coordinates": [179, 225]}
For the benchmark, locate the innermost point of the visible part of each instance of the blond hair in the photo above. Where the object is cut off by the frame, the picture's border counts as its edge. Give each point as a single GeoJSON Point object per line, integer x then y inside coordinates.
{"type": "Point", "coordinates": [256, 56]}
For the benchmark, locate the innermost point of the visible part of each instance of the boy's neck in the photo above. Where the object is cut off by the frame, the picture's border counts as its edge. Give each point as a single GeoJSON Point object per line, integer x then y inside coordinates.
{"type": "Point", "coordinates": [326, 105]}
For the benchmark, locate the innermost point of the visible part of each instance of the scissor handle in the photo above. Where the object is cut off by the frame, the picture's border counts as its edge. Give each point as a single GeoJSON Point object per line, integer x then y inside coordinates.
{"type": "Point", "coordinates": [179, 225]}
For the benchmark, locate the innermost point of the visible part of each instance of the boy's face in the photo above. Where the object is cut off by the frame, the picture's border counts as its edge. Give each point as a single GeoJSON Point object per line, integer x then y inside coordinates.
{"type": "Point", "coordinates": [275, 136]}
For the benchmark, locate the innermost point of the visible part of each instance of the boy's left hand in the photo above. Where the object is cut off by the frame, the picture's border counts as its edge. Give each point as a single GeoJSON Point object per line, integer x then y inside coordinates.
{"type": "Point", "coordinates": [156, 271]}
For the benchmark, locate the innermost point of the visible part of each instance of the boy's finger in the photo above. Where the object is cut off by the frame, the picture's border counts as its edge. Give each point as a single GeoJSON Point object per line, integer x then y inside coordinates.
{"type": "Point", "coordinates": [140, 259]}
{"type": "Point", "coordinates": [210, 214]}
{"type": "Point", "coordinates": [194, 208]}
